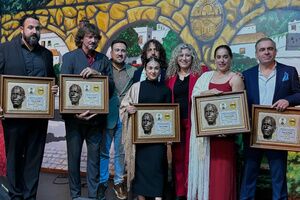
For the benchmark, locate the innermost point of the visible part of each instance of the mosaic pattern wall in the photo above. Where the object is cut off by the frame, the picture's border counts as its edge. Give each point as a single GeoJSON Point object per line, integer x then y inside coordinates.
{"type": "Point", "coordinates": [202, 23]}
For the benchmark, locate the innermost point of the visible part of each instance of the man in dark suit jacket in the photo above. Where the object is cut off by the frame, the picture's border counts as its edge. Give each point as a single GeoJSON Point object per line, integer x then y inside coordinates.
{"type": "Point", "coordinates": [25, 138]}
{"type": "Point", "coordinates": [269, 83]}
{"type": "Point", "coordinates": [85, 126]}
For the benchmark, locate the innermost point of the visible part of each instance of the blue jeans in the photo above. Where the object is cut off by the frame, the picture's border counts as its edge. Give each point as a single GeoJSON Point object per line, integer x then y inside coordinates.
{"type": "Point", "coordinates": [119, 165]}
{"type": "Point", "coordinates": [76, 133]}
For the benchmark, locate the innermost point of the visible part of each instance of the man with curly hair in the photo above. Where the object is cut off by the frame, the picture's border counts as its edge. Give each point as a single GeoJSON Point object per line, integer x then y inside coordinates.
{"type": "Point", "coordinates": [86, 61]}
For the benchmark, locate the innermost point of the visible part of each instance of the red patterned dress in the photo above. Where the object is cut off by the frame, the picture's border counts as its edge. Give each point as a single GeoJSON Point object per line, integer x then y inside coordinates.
{"type": "Point", "coordinates": [2, 153]}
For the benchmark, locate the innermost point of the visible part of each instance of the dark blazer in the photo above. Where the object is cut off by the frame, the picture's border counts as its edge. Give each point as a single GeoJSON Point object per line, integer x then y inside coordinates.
{"type": "Point", "coordinates": [287, 85]}
{"type": "Point", "coordinates": [75, 61]}
{"type": "Point", "coordinates": [34, 131]}
{"type": "Point", "coordinates": [12, 60]}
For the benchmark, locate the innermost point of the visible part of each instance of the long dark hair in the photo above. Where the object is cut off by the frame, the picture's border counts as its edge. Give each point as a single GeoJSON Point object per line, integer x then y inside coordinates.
{"type": "Point", "coordinates": [86, 28]}
{"type": "Point", "coordinates": [160, 49]}
{"type": "Point", "coordinates": [224, 47]}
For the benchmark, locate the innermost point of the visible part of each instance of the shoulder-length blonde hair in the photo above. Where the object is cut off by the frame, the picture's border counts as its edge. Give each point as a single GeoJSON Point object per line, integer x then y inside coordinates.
{"type": "Point", "coordinates": [173, 65]}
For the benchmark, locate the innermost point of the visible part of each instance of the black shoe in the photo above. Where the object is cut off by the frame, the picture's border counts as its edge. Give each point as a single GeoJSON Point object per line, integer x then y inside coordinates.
{"type": "Point", "coordinates": [101, 191]}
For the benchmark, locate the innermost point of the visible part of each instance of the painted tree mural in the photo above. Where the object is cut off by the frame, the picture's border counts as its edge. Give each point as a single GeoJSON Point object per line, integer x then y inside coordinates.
{"type": "Point", "coordinates": [170, 42]}
{"type": "Point", "coordinates": [131, 38]}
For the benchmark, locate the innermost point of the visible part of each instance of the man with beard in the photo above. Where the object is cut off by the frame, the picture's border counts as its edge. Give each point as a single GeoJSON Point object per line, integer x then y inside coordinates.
{"type": "Point", "coordinates": [85, 61]}
{"type": "Point", "coordinates": [152, 48]}
{"type": "Point", "coordinates": [25, 138]}
{"type": "Point", "coordinates": [122, 75]}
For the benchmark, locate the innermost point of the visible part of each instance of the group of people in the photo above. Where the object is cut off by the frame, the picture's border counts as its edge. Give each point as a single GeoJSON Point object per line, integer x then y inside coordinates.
{"type": "Point", "coordinates": [203, 167]}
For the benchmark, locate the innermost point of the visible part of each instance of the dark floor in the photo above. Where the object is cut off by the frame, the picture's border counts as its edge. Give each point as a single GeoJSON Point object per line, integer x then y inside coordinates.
{"type": "Point", "coordinates": [55, 187]}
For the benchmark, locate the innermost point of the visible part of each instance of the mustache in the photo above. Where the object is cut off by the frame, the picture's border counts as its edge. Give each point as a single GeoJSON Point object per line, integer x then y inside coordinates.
{"type": "Point", "coordinates": [34, 36]}
{"type": "Point", "coordinates": [93, 45]}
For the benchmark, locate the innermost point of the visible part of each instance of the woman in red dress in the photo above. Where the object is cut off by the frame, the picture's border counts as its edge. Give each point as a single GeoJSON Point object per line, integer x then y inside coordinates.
{"type": "Point", "coordinates": [218, 153]}
{"type": "Point", "coordinates": [2, 153]}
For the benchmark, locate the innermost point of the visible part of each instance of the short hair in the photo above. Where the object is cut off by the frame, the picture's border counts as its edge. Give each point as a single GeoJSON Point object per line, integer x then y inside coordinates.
{"type": "Point", "coordinates": [224, 47]}
{"type": "Point", "coordinates": [78, 88]}
{"type": "Point", "coordinates": [265, 39]}
{"type": "Point", "coordinates": [152, 59]}
{"type": "Point", "coordinates": [87, 28]}
{"type": "Point", "coordinates": [26, 16]}
{"type": "Point", "coordinates": [173, 65]}
{"type": "Point", "coordinates": [267, 134]}
{"type": "Point", "coordinates": [272, 120]}
{"type": "Point", "coordinates": [21, 89]}
{"type": "Point", "coordinates": [214, 107]}
{"type": "Point", "coordinates": [118, 41]}
{"type": "Point", "coordinates": [148, 114]}
{"type": "Point", "coordinates": [160, 49]}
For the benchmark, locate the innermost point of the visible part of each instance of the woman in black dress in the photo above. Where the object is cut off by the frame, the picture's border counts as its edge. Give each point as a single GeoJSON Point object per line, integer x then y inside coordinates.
{"type": "Point", "coordinates": [150, 165]}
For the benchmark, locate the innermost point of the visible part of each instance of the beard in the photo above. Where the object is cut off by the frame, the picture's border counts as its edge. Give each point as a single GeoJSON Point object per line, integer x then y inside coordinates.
{"type": "Point", "coordinates": [32, 40]}
{"type": "Point", "coordinates": [118, 61]}
{"type": "Point", "coordinates": [93, 46]}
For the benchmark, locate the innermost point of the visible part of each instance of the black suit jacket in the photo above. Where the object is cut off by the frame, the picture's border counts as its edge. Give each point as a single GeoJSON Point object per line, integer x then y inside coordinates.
{"type": "Point", "coordinates": [12, 61]}
{"type": "Point", "coordinates": [74, 62]}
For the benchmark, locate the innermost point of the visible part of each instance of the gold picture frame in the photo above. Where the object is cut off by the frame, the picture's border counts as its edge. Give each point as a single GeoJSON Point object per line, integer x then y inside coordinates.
{"type": "Point", "coordinates": [163, 123]}
{"type": "Point", "coordinates": [27, 97]}
{"type": "Point", "coordinates": [227, 113]}
{"type": "Point", "coordinates": [275, 130]}
{"type": "Point", "coordinates": [87, 94]}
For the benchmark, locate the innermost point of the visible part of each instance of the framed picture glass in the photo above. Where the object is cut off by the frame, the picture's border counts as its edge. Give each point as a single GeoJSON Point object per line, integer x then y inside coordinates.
{"type": "Point", "coordinates": [221, 114]}
{"type": "Point", "coordinates": [27, 97]}
{"type": "Point", "coordinates": [78, 95]}
{"type": "Point", "coordinates": [275, 130]}
{"type": "Point", "coordinates": [156, 123]}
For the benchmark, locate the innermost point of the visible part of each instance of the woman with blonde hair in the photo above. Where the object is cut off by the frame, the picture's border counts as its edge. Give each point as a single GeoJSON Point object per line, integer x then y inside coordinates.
{"type": "Point", "coordinates": [181, 76]}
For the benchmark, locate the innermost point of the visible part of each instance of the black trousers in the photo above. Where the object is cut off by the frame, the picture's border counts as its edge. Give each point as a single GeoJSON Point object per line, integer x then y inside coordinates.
{"type": "Point", "coordinates": [24, 141]}
{"type": "Point", "coordinates": [76, 133]}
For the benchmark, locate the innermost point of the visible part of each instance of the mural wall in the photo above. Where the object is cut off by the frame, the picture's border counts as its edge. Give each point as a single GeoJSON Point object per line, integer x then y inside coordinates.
{"type": "Point", "coordinates": [203, 23]}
